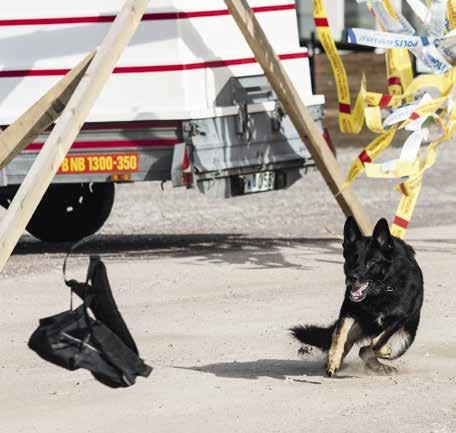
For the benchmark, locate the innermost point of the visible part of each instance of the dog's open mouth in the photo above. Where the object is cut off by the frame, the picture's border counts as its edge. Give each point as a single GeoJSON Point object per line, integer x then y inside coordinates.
{"type": "Point", "coordinates": [358, 291]}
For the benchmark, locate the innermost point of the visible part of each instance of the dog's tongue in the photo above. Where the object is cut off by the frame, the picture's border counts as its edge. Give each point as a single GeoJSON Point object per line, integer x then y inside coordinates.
{"type": "Point", "coordinates": [358, 288]}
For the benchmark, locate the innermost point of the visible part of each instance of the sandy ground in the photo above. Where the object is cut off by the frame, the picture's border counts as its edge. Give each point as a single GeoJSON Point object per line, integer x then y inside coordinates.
{"type": "Point", "coordinates": [209, 289]}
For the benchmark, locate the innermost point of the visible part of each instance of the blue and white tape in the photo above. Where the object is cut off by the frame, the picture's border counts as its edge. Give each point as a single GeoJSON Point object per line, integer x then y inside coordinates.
{"type": "Point", "coordinates": [377, 39]}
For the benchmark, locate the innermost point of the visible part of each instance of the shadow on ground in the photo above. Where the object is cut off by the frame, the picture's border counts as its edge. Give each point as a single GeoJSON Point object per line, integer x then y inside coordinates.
{"type": "Point", "coordinates": [444, 246]}
{"type": "Point", "coordinates": [275, 368]}
{"type": "Point", "coordinates": [214, 248]}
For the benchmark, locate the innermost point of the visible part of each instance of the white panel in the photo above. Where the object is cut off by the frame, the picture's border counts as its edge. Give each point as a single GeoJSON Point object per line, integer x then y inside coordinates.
{"type": "Point", "coordinates": [149, 95]}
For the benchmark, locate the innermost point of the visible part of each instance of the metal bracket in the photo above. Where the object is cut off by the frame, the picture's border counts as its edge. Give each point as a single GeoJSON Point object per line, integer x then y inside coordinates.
{"type": "Point", "coordinates": [192, 129]}
{"type": "Point", "coordinates": [277, 117]}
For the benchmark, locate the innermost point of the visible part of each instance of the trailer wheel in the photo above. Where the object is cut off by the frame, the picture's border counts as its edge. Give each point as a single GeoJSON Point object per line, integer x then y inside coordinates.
{"type": "Point", "coordinates": [70, 212]}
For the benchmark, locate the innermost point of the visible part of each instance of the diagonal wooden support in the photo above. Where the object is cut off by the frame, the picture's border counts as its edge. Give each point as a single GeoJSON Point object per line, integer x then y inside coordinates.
{"type": "Point", "coordinates": [40, 115]}
{"type": "Point", "coordinates": [299, 115]}
{"type": "Point", "coordinates": [68, 126]}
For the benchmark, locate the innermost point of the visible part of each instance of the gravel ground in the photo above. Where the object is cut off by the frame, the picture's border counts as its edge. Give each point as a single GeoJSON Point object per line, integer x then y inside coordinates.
{"type": "Point", "coordinates": [209, 288]}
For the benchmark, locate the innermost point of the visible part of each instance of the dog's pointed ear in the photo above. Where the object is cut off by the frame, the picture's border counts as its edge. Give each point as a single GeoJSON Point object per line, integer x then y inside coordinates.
{"type": "Point", "coordinates": [352, 232]}
{"type": "Point", "coordinates": [382, 235]}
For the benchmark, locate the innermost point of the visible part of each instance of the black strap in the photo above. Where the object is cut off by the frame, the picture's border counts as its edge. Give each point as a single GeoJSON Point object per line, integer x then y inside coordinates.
{"type": "Point", "coordinates": [73, 248]}
{"type": "Point", "coordinates": [104, 306]}
{"type": "Point", "coordinates": [96, 294]}
{"type": "Point", "coordinates": [75, 286]}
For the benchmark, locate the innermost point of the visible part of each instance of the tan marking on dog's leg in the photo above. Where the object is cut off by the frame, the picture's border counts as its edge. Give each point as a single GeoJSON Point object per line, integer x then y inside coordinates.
{"type": "Point", "coordinates": [339, 339]}
{"type": "Point", "coordinates": [353, 336]}
{"type": "Point", "coordinates": [385, 351]}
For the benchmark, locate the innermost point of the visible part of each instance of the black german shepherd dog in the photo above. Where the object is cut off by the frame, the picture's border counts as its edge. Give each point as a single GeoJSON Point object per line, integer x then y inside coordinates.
{"type": "Point", "coordinates": [382, 304]}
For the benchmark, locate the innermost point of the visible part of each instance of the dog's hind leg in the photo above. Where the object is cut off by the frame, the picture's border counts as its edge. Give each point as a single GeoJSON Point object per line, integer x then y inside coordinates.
{"type": "Point", "coordinates": [339, 339]}
{"type": "Point", "coordinates": [380, 348]}
{"type": "Point", "coordinates": [372, 363]}
{"type": "Point", "coordinates": [399, 342]}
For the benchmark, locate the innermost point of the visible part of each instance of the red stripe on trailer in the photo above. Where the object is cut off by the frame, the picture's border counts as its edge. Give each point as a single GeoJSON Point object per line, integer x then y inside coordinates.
{"type": "Point", "coordinates": [401, 222]}
{"type": "Point", "coordinates": [33, 73]}
{"type": "Point", "coordinates": [146, 17]}
{"type": "Point", "coordinates": [385, 100]}
{"type": "Point", "coordinates": [321, 22]}
{"type": "Point", "coordinates": [199, 65]}
{"type": "Point", "coordinates": [394, 81]}
{"type": "Point", "coordinates": [134, 124]}
{"type": "Point", "coordinates": [344, 108]}
{"type": "Point", "coordinates": [364, 157]}
{"type": "Point", "coordinates": [150, 68]}
{"type": "Point", "coordinates": [107, 144]}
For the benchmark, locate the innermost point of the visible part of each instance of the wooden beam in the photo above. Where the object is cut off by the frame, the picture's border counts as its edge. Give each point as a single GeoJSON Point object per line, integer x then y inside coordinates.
{"type": "Point", "coordinates": [40, 115]}
{"type": "Point", "coordinates": [68, 126]}
{"type": "Point", "coordinates": [299, 115]}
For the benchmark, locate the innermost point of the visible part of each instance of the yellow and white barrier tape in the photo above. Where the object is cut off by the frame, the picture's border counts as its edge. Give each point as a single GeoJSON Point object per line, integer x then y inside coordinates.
{"type": "Point", "coordinates": [369, 154]}
{"type": "Point", "coordinates": [429, 119]}
{"type": "Point", "coordinates": [351, 119]}
{"type": "Point", "coordinates": [451, 13]}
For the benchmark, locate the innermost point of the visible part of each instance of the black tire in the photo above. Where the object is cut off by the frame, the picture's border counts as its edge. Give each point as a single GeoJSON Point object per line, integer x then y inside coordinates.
{"type": "Point", "coordinates": [70, 212]}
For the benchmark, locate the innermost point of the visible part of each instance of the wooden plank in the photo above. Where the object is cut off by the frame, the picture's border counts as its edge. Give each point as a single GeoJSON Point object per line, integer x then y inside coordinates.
{"type": "Point", "coordinates": [40, 115]}
{"type": "Point", "coordinates": [68, 126]}
{"type": "Point", "coordinates": [299, 115]}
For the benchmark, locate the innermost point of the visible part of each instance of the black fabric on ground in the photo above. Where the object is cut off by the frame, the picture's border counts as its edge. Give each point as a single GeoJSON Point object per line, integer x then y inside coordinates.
{"type": "Point", "coordinates": [104, 345]}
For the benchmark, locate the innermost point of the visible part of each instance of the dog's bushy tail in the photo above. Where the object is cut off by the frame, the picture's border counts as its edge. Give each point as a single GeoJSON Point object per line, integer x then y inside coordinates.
{"type": "Point", "coordinates": [317, 336]}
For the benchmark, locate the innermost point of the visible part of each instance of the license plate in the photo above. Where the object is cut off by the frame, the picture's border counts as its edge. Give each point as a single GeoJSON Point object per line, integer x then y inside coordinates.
{"type": "Point", "coordinates": [102, 163]}
{"type": "Point", "coordinates": [258, 182]}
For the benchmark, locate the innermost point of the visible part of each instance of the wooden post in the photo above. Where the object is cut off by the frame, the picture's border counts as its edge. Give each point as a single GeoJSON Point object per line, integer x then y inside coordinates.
{"type": "Point", "coordinates": [68, 126]}
{"type": "Point", "coordinates": [299, 115]}
{"type": "Point", "coordinates": [40, 115]}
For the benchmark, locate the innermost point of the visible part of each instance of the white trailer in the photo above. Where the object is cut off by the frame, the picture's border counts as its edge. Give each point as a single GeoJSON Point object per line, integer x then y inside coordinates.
{"type": "Point", "coordinates": [187, 102]}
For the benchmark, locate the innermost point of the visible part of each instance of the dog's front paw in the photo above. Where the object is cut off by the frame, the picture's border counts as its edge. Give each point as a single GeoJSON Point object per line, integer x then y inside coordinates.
{"type": "Point", "coordinates": [331, 368]}
{"type": "Point", "coordinates": [387, 370]}
{"type": "Point", "coordinates": [330, 372]}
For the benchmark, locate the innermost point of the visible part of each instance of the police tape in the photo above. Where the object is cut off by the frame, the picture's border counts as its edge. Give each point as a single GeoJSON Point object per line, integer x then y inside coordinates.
{"type": "Point", "coordinates": [435, 21]}
{"type": "Point", "coordinates": [399, 72]}
{"type": "Point", "coordinates": [351, 119]}
{"type": "Point", "coordinates": [425, 106]}
{"type": "Point", "coordinates": [398, 64]}
{"type": "Point", "coordinates": [412, 118]}
{"type": "Point", "coordinates": [405, 209]}
{"type": "Point", "coordinates": [369, 154]}
{"type": "Point", "coordinates": [433, 52]}
{"type": "Point", "coordinates": [437, 83]}
{"type": "Point", "coordinates": [410, 190]}
{"type": "Point", "coordinates": [451, 14]}
{"type": "Point", "coordinates": [378, 39]}
{"type": "Point", "coordinates": [419, 8]}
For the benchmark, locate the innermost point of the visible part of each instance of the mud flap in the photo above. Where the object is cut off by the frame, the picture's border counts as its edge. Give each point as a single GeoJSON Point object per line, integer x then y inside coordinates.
{"type": "Point", "coordinates": [181, 173]}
